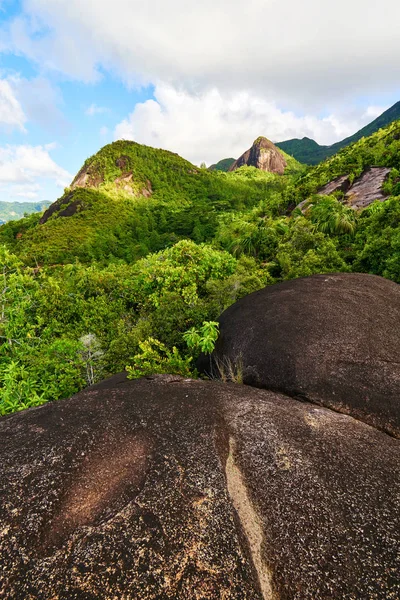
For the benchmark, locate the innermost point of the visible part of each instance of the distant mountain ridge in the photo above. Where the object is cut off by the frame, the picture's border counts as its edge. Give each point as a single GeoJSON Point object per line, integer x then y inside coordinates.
{"type": "Point", "coordinates": [12, 211]}
{"type": "Point", "coordinates": [222, 165]}
{"type": "Point", "coordinates": [308, 151]}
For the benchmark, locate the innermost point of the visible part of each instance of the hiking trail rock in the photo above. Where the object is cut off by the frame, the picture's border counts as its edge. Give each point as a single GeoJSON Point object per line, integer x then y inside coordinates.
{"type": "Point", "coordinates": [174, 488]}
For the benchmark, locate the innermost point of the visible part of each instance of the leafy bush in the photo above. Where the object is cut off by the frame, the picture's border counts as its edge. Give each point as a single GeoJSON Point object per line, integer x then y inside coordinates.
{"type": "Point", "coordinates": [155, 357]}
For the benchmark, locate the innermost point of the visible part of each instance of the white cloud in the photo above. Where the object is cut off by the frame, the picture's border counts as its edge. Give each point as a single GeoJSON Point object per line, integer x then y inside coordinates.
{"type": "Point", "coordinates": [93, 109]}
{"type": "Point", "coordinates": [27, 191]}
{"type": "Point", "coordinates": [28, 195]}
{"type": "Point", "coordinates": [373, 112]}
{"type": "Point", "coordinates": [41, 102]}
{"type": "Point", "coordinates": [25, 169]}
{"type": "Point", "coordinates": [215, 125]}
{"type": "Point", "coordinates": [301, 52]}
{"type": "Point", "coordinates": [11, 114]}
{"type": "Point", "coordinates": [33, 100]}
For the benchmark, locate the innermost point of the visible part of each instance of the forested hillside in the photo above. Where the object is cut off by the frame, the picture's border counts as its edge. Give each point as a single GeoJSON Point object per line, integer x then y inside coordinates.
{"type": "Point", "coordinates": [132, 265]}
{"type": "Point", "coordinates": [222, 165]}
{"type": "Point", "coordinates": [129, 200]}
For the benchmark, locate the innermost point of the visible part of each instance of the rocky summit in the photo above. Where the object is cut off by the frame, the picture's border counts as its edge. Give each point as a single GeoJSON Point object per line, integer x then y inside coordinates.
{"type": "Point", "coordinates": [263, 155]}
{"type": "Point", "coordinates": [174, 488]}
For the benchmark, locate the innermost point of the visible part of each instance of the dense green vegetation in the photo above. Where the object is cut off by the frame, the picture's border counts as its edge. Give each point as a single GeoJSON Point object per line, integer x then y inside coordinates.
{"type": "Point", "coordinates": [113, 220]}
{"type": "Point", "coordinates": [309, 152]}
{"type": "Point", "coordinates": [16, 210]}
{"type": "Point", "coordinates": [138, 280]}
{"type": "Point", "coordinates": [222, 165]}
{"type": "Point", "coordinates": [379, 150]}
{"type": "Point", "coordinates": [64, 327]}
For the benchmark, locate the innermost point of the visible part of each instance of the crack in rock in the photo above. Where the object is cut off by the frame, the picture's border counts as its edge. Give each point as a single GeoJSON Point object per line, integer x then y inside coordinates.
{"type": "Point", "coordinates": [249, 520]}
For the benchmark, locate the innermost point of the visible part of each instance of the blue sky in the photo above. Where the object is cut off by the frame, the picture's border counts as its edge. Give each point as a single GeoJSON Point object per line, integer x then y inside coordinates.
{"type": "Point", "coordinates": [77, 118]}
{"type": "Point", "coordinates": [201, 79]}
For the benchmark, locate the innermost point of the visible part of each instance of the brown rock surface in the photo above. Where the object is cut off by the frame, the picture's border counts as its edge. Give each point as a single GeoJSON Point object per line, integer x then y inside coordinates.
{"type": "Point", "coordinates": [368, 187]}
{"type": "Point", "coordinates": [89, 177]}
{"type": "Point", "coordinates": [340, 184]}
{"type": "Point", "coordinates": [166, 488]}
{"type": "Point", "coordinates": [66, 206]}
{"type": "Point", "coordinates": [363, 191]}
{"type": "Point", "coordinates": [331, 339]}
{"type": "Point", "coordinates": [263, 155]}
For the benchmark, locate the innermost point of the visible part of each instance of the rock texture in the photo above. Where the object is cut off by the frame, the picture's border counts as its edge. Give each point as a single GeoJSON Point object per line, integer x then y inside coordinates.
{"type": "Point", "coordinates": [331, 339]}
{"type": "Point", "coordinates": [340, 184]}
{"type": "Point", "coordinates": [365, 189]}
{"type": "Point", "coordinates": [66, 206]}
{"type": "Point", "coordinates": [263, 155]}
{"type": "Point", "coordinates": [368, 187]}
{"type": "Point", "coordinates": [89, 176]}
{"type": "Point", "coordinates": [166, 488]}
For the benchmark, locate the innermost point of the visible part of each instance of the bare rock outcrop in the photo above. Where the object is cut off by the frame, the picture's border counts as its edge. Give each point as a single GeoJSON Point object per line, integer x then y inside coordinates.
{"type": "Point", "coordinates": [331, 339]}
{"type": "Point", "coordinates": [263, 155]}
{"type": "Point", "coordinates": [363, 191]}
{"type": "Point", "coordinates": [340, 184]}
{"type": "Point", "coordinates": [91, 176]}
{"type": "Point", "coordinates": [180, 489]}
{"type": "Point", "coordinates": [66, 206]}
{"type": "Point", "coordinates": [368, 187]}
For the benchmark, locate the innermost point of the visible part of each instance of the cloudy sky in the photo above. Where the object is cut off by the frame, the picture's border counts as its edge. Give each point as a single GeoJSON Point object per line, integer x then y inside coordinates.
{"type": "Point", "coordinates": [200, 78]}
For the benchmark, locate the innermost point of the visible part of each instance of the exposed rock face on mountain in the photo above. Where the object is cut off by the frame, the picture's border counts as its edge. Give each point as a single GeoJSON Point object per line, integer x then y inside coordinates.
{"type": "Point", "coordinates": [340, 184]}
{"type": "Point", "coordinates": [331, 339]}
{"type": "Point", "coordinates": [66, 206]}
{"type": "Point", "coordinates": [172, 488]}
{"type": "Point", "coordinates": [365, 189]}
{"type": "Point", "coordinates": [264, 155]}
{"type": "Point", "coordinates": [91, 176]}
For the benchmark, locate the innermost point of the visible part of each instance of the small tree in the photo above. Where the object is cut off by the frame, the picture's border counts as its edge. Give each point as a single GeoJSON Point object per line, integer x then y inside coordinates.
{"type": "Point", "coordinates": [91, 355]}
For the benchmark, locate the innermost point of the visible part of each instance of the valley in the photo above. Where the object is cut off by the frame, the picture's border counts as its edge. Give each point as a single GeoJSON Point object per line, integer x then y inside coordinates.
{"type": "Point", "coordinates": [145, 246]}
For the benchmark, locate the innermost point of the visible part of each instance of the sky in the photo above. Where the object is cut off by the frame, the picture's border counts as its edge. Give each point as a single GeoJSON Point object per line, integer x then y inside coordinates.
{"type": "Point", "coordinates": [203, 79]}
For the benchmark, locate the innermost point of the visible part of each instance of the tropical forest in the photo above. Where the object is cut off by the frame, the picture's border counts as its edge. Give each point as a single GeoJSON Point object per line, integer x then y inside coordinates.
{"type": "Point", "coordinates": [131, 267]}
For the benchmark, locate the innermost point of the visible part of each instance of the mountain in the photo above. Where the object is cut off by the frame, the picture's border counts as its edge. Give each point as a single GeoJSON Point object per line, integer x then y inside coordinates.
{"type": "Point", "coordinates": [10, 211]}
{"type": "Point", "coordinates": [262, 155]}
{"type": "Point", "coordinates": [128, 200]}
{"type": "Point", "coordinates": [135, 262]}
{"type": "Point", "coordinates": [222, 165]}
{"type": "Point", "coordinates": [310, 152]}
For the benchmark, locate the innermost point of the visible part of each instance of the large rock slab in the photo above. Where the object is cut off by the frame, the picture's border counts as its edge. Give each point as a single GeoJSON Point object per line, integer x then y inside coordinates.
{"type": "Point", "coordinates": [339, 184]}
{"type": "Point", "coordinates": [365, 189]}
{"type": "Point", "coordinates": [168, 488]}
{"type": "Point", "coordinates": [331, 339]}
